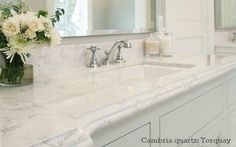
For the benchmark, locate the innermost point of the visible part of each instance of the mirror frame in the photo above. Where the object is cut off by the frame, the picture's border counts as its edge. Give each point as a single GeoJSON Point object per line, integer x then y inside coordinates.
{"type": "Point", "coordinates": [217, 27]}
{"type": "Point", "coordinates": [118, 32]}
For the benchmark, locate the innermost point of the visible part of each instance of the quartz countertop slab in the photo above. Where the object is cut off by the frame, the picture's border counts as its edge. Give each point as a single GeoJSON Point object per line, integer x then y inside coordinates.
{"type": "Point", "coordinates": [66, 108]}
{"type": "Point", "coordinates": [226, 45]}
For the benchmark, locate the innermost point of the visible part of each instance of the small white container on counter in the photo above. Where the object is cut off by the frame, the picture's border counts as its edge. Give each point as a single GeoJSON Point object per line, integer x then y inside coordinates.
{"type": "Point", "coordinates": [165, 45]}
{"type": "Point", "coordinates": [151, 46]}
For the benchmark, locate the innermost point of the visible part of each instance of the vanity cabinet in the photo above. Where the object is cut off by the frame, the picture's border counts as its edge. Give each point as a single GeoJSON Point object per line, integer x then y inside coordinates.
{"type": "Point", "coordinates": [231, 91]}
{"type": "Point", "coordinates": [132, 138]}
{"type": "Point", "coordinates": [207, 110]}
{"type": "Point", "coordinates": [231, 121]}
{"type": "Point", "coordinates": [231, 114]}
{"type": "Point", "coordinates": [216, 132]}
{"type": "Point", "coordinates": [186, 120]}
{"type": "Point", "coordinates": [127, 133]}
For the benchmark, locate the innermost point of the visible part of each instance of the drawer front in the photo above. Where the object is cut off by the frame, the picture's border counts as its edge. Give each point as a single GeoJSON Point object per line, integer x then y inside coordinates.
{"type": "Point", "coordinates": [186, 120]}
{"type": "Point", "coordinates": [231, 91]}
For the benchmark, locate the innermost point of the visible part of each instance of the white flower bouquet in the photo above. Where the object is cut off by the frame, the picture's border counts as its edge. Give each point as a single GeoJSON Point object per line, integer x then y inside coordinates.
{"type": "Point", "coordinates": [20, 30]}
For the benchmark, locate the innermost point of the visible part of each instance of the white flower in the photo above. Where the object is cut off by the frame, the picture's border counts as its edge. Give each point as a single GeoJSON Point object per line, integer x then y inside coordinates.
{"type": "Point", "coordinates": [46, 22]}
{"type": "Point", "coordinates": [30, 34]}
{"type": "Point", "coordinates": [55, 38]}
{"type": "Point", "coordinates": [11, 27]}
{"type": "Point", "coordinates": [25, 18]}
{"type": "Point", "coordinates": [35, 24]}
{"type": "Point", "coordinates": [16, 46]}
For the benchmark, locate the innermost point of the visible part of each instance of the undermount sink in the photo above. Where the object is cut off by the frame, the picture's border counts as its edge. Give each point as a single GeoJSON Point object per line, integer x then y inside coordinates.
{"type": "Point", "coordinates": [142, 72]}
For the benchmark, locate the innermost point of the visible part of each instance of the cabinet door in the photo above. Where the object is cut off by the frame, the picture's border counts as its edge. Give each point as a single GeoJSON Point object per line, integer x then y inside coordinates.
{"type": "Point", "coordinates": [231, 91]}
{"type": "Point", "coordinates": [133, 138]}
{"type": "Point", "coordinates": [232, 128]}
{"type": "Point", "coordinates": [217, 132]}
{"type": "Point", "coordinates": [189, 118]}
{"type": "Point", "coordinates": [181, 17]}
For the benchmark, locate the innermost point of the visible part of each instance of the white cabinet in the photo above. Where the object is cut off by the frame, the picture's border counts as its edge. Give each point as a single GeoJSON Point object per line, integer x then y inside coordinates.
{"type": "Point", "coordinates": [206, 111]}
{"type": "Point", "coordinates": [181, 17]}
{"type": "Point", "coordinates": [231, 91]}
{"type": "Point", "coordinates": [231, 118]}
{"type": "Point", "coordinates": [134, 131]}
{"type": "Point", "coordinates": [186, 120]}
{"type": "Point", "coordinates": [216, 132]}
{"type": "Point", "coordinates": [133, 138]}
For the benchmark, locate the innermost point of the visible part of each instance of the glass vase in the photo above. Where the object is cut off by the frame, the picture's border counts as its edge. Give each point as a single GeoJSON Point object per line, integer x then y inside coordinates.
{"type": "Point", "coordinates": [16, 76]}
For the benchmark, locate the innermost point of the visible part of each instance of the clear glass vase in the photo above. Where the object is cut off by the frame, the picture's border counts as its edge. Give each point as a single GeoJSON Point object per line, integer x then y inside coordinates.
{"type": "Point", "coordinates": [16, 76]}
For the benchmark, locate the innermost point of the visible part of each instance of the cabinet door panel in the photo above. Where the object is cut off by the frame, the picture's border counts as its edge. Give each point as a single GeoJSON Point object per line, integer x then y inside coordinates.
{"type": "Point", "coordinates": [232, 128]}
{"type": "Point", "coordinates": [133, 138]}
{"type": "Point", "coordinates": [187, 119]}
{"type": "Point", "coordinates": [216, 132]}
{"type": "Point", "coordinates": [231, 91]}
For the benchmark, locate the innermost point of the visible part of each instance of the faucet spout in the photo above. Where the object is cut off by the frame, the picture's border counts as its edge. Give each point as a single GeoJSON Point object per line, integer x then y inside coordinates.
{"type": "Point", "coordinates": [121, 44]}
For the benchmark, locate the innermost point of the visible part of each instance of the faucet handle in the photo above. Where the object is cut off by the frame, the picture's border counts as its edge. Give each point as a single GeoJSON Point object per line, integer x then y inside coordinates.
{"type": "Point", "coordinates": [93, 61]}
{"type": "Point", "coordinates": [93, 49]}
{"type": "Point", "coordinates": [106, 52]}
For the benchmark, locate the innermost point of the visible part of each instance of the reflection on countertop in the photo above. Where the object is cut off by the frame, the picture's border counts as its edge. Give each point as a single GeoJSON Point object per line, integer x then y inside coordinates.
{"type": "Point", "coordinates": [67, 107]}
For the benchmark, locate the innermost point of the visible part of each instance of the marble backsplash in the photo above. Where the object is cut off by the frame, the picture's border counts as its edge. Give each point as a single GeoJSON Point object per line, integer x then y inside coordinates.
{"type": "Point", "coordinates": [75, 55]}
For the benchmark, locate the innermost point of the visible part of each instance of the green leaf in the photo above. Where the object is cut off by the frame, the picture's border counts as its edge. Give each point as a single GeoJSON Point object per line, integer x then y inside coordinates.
{"type": "Point", "coordinates": [3, 40]}
{"type": "Point", "coordinates": [41, 37]}
{"type": "Point", "coordinates": [42, 13]}
{"type": "Point", "coordinates": [58, 13]}
{"type": "Point", "coordinates": [63, 11]}
{"type": "Point", "coordinates": [16, 8]}
{"type": "Point", "coordinates": [6, 12]}
{"type": "Point", "coordinates": [58, 17]}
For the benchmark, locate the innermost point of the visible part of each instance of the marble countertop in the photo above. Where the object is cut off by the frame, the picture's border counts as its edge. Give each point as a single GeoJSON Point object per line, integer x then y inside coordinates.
{"type": "Point", "coordinates": [64, 109]}
{"type": "Point", "coordinates": [226, 45]}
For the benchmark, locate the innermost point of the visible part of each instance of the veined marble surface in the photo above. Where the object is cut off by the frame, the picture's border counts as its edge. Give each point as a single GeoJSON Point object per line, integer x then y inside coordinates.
{"type": "Point", "coordinates": [63, 109]}
{"type": "Point", "coordinates": [226, 45]}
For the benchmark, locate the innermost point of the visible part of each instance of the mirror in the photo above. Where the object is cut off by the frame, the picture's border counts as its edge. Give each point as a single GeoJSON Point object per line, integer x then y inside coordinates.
{"type": "Point", "coordinates": [101, 17]}
{"type": "Point", "coordinates": [225, 14]}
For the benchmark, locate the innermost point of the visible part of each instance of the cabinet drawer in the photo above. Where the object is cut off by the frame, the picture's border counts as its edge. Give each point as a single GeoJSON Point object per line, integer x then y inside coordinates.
{"type": "Point", "coordinates": [186, 120]}
{"type": "Point", "coordinates": [231, 91]}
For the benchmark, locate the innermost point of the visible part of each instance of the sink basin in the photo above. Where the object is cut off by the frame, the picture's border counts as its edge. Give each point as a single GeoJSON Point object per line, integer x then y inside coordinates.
{"type": "Point", "coordinates": [139, 72]}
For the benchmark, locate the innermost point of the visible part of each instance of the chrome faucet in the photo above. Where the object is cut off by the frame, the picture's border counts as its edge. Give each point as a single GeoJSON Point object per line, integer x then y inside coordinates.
{"type": "Point", "coordinates": [119, 59]}
{"type": "Point", "coordinates": [93, 61]}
